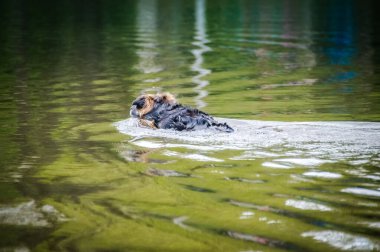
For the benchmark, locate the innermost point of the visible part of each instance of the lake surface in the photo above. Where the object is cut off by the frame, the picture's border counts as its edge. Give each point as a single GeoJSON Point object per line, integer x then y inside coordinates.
{"type": "Point", "coordinates": [297, 80]}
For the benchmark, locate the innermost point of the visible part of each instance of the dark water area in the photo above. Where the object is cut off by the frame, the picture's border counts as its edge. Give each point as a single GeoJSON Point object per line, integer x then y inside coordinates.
{"type": "Point", "coordinates": [298, 80]}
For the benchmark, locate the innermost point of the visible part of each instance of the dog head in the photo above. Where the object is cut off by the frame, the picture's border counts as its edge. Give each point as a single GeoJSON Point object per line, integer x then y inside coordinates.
{"type": "Point", "coordinates": [146, 103]}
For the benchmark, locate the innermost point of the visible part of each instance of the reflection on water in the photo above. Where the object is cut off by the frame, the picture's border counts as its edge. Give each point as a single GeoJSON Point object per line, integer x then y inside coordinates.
{"type": "Point", "coordinates": [300, 173]}
{"type": "Point", "coordinates": [341, 47]}
{"type": "Point", "coordinates": [147, 38]}
{"type": "Point", "coordinates": [200, 41]}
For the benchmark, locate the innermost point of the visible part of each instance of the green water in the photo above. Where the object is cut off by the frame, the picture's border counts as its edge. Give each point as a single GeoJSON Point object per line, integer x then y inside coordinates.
{"type": "Point", "coordinates": [71, 181]}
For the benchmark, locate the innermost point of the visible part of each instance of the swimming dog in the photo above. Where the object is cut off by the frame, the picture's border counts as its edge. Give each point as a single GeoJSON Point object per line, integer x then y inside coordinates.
{"type": "Point", "coordinates": [161, 111]}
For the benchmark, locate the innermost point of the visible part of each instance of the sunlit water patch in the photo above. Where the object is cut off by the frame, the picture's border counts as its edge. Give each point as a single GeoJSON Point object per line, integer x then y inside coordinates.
{"type": "Point", "coordinates": [305, 205]}
{"type": "Point", "coordinates": [343, 241]}
{"type": "Point", "coordinates": [321, 174]}
{"type": "Point", "coordinates": [362, 191]}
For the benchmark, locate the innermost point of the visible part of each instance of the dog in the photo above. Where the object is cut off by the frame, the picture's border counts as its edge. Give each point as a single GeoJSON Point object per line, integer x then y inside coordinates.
{"type": "Point", "coordinates": [161, 111]}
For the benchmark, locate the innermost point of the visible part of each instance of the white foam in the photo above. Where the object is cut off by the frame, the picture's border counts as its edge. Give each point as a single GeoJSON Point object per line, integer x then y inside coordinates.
{"type": "Point", "coordinates": [308, 143]}
{"type": "Point", "coordinates": [156, 145]}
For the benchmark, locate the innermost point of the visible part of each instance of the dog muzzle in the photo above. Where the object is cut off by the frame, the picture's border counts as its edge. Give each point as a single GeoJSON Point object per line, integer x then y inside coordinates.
{"type": "Point", "coordinates": [133, 112]}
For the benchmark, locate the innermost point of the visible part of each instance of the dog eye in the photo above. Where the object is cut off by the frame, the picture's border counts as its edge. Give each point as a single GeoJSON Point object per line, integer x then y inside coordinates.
{"type": "Point", "coordinates": [139, 103]}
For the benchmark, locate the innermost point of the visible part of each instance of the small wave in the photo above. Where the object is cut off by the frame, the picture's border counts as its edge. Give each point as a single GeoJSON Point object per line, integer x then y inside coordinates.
{"type": "Point", "coordinates": [343, 240]}
{"type": "Point", "coordinates": [306, 205]}
{"type": "Point", "coordinates": [196, 157]}
{"type": "Point", "coordinates": [322, 174]}
{"type": "Point", "coordinates": [276, 165]}
{"type": "Point", "coordinates": [362, 191]}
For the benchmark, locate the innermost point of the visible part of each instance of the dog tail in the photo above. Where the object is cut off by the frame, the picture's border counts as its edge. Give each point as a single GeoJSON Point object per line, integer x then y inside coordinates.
{"type": "Point", "coordinates": [224, 127]}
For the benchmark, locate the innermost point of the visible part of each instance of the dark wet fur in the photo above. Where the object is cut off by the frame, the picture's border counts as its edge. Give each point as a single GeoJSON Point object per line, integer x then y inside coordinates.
{"type": "Point", "coordinates": [178, 117]}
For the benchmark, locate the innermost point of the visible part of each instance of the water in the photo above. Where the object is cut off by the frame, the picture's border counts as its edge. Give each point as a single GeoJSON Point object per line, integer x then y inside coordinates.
{"type": "Point", "coordinates": [298, 80]}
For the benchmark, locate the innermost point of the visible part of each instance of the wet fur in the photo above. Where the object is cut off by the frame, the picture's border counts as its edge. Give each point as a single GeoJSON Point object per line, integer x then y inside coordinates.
{"type": "Point", "coordinates": [163, 112]}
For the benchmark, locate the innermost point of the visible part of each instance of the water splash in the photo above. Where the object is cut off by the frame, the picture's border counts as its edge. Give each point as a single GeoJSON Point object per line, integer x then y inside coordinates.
{"type": "Point", "coordinates": [298, 143]}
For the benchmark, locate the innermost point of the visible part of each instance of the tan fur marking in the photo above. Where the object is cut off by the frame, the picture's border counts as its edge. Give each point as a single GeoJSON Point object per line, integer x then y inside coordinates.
{"type": "Point", "coordinates": [149, 102]}
{"type": "Point", "coordinates": [148, 105]}
{"type": "Point", "coordinates": [147, 123]}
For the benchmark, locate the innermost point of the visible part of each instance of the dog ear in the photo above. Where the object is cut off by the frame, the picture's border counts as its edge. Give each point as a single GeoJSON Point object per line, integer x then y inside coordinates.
{"type": "Point", "coordinates": [167, 98]}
